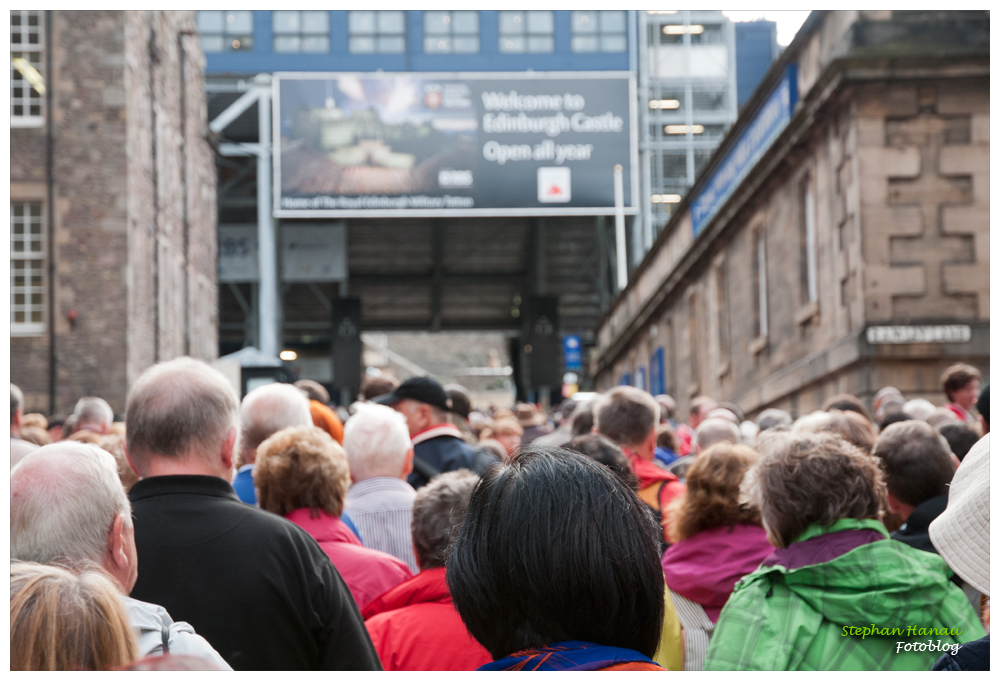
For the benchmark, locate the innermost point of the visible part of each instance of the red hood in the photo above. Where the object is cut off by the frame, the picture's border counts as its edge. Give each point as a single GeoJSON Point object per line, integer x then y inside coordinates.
{"type": "Point", "coordinates": [704, 568]}
{"type": "Point", "coordinates": [428, 586]}
{"type": "Point", "coordinates": [648, 472]}
{"type": "Point", "coordinates": [325, 528]}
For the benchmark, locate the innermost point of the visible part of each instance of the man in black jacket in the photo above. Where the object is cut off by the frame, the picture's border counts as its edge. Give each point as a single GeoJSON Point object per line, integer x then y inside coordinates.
{"type": "Point", "coordinates": [437, 444]}
{"type": "Point", "coordinates": [255, 585]}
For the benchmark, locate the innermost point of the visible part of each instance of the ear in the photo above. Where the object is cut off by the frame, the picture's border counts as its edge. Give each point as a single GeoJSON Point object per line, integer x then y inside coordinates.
{"type": "Point", "coordinates": [116, 543]}
{"type": "Point", "coordinates": [228, 445]}
{"type": "Point", "coordinates": [17, 417]}
{"type": "Point", "coordinates": [408, 463]}
{"type": "Point", "coordinates": [131, 463]}
{"type": "Point", "coordinates": [895, 506]}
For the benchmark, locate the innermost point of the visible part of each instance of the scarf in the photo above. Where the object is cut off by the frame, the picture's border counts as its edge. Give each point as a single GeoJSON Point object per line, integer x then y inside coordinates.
{"type": "Point", "coordinates": [566, 656]}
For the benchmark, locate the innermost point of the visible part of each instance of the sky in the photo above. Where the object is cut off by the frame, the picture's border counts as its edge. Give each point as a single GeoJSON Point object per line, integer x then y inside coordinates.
{"type": "Point", "coordinates": [788, 21]}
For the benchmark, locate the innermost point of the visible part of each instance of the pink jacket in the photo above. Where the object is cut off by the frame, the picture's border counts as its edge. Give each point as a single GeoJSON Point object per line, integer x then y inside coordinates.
{"type": "Point", "coordinates": [366, 572]}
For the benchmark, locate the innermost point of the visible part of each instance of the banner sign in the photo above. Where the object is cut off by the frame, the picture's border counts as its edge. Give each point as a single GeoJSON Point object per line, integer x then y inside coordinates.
{"type": "Point", "coordinates": [656, 378]}
{"type": "Point", "coordinates": [314, 252]}
{"type": "Point", "coordinates": [755, 139]}
{"type": "Point", "coordinates": [572, 353]}
{"type": "Point", "coordinates": [452, 144]}
{"type": "Point", "coordinates": [238, 254]}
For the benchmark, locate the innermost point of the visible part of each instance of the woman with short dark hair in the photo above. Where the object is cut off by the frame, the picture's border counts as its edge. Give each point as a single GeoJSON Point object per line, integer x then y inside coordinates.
{"type": "Point", "coordinates": [835, 571]}
{"type": "Point", "coordinates": [557, 567]}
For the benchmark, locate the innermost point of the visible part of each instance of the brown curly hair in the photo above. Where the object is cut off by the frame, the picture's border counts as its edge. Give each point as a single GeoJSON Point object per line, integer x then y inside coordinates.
{"type": "Point", "coordinates": [807, 478]}
{"type": "Point", "coordinates": [301, 467]}
{"type": "Point", "coordinates": [712, 498]}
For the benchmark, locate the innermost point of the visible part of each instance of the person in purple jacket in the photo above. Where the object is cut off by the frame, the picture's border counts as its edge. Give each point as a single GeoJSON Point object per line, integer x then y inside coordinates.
{"type": "Point", "coordinates": [715, 541]}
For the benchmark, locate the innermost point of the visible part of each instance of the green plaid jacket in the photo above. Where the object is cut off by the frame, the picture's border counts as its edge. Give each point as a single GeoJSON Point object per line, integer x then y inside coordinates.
{"type": "Point", "coordinates": [779, 619]}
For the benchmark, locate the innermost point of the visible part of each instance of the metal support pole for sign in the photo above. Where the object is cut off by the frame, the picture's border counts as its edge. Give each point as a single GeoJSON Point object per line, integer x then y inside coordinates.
{"type": "Point", "coordinates": [620, 229]}
{"type": "Point", "coordinates": [270, 342]}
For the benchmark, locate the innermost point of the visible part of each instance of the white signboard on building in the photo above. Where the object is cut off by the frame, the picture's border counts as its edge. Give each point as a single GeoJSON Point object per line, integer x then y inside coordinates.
{"type": "Point", "coordinates": [237, 254]}
{"type": "Point", "coordinates": [314, 252]}
{"type": "Point", "coordinates": [938, 333]}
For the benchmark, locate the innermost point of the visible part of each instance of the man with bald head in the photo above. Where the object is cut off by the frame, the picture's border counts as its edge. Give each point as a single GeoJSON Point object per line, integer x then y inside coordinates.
{"type": "Point", "coordinates": [711, 431]}
{"type": "Point", "coordinates": [265, 411]}
{"type": "Point", "coordinates": [93, 414]}
{"type": "Point", "coordinates": [257, 586]}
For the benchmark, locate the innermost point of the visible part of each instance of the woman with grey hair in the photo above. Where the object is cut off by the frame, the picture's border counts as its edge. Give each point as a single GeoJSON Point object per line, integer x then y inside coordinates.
{"type": "Point", "coordinates": [815, 603]}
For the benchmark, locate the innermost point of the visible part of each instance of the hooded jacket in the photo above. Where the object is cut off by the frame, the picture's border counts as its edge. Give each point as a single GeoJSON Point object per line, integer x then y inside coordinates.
{"type": "Point", "coordinates": [415, 627]}
{"type": "Point", "coordinates": [797, 614]}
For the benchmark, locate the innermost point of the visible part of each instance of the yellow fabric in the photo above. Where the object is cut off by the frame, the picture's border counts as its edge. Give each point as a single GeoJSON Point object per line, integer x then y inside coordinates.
{"type": "Point", "coordinates": [670, 654]}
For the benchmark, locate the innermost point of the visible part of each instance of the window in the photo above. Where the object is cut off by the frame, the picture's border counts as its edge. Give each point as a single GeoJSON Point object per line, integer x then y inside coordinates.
{"type": "Point", "coordinates": [760, 283]}
{"type": "Point", "coordinates": [708, 98]}
{"type": "Point", "coordinates": [371, 31]}
{"type": "Point", "coordinates": [526, 31]}
{"type": "Point", "coordinates": [807, 243]}
{"type": "Point", "coordinates": [27, 263]}
{"type": "Point", "coordinates": [26, 71]}
{"type": "Point", "coordinates": [598, 31]}
{"type": "Point", "coordinates": [301, 31]}
{"type": "Point", "coordinates": [451, 32]}
{"type": "Point", "coordinates": [226, 30]}
{"type": "Point", "coordinates": [707, 34]}
{"type": "Point", "coordinates": [693, 341]}
{"type": "Point", "coordinates": [722, 311]}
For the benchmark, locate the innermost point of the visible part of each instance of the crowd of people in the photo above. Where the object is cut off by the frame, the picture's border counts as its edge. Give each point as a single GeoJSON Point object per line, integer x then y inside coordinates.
{"type": "Point", "coordinates": [411, 531]}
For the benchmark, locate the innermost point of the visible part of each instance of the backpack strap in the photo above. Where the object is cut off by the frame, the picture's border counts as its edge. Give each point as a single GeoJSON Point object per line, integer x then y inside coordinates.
{"type": "Point", "coordinates": [650, 494]}
{"type": "Point", "coordinates": [425, 469]}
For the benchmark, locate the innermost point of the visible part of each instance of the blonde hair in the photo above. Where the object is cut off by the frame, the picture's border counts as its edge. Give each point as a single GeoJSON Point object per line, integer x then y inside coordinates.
{"type": "Point", "coordinates": [65, 622]}
{"type": "Point", "coordinates": [301, 468]}
{"type": "Point", "coordinates": [502, 426]}
{"type": "Point", "coordinates": [114, 444]}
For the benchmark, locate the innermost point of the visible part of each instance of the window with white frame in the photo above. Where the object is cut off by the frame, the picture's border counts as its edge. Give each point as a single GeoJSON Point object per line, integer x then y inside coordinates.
{"type": "Point", "coordinates": [527, 31]}
{"type": "Point", "coordinates": [598, 31]}
{"type": "Point", "coordinates": [27, 266]}
{"type": "Point", "coordinates": [376, 31]}
{"type": "Point", "coordinates": [27, 42]}
{"type": "Point", "coordinates": [807, 243]}
{"type": "Point", "coordinates": [226, 30]}
{"type": "Point", "coordinates": [451, 32]}
{"type": "Point", "coordinates": [301, 30]}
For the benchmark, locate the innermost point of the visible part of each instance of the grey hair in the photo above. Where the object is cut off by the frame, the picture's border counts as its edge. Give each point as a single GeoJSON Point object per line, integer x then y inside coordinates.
{"type": "Point", "coordinates": [176, 406]}
{"type": "Point", "coordinates": [438, 513]}
{"type": "Point", "coordinates": [714, 430]}
{"type": "Point", "coordinates": [16, 401]}
{"type": "Point", "coordinates": [919, 409]}
{"type": "Point", "coordinates": [93, 410]}
{"type": "Point", "coordinates": [376, 440]}
{"type": "Point", "coordinates": [64, 499]}
{"type": "Point", "coordinates": [270, 408]}
{"type": "Point", "coordinates": [806, 478]}
{"type": "Point", "coordinates": [771, 418]}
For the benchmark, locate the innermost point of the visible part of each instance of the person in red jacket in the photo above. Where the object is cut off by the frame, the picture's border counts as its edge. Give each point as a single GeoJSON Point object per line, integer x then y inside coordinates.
{"type": "Point", "coordinates": [628, 417]}
{"type": "Point", "coordinates": [302, 475]}
{"type": "Point", "coordinates": [414, 626]}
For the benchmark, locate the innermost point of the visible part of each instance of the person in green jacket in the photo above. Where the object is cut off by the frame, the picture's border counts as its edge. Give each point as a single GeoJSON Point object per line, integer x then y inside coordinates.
{"type": "Point", "coordinates": [836, 594]}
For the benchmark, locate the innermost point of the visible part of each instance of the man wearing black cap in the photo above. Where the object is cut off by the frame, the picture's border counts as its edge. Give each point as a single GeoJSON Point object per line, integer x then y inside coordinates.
{"type": "Point", "coordinates": [437, 443]}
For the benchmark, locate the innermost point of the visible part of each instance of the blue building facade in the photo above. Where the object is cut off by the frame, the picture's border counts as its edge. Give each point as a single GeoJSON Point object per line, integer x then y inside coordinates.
{"type": "Point", "coordinates": [567, 38]}
{"type": "Point", "coordinates": [756, 49]}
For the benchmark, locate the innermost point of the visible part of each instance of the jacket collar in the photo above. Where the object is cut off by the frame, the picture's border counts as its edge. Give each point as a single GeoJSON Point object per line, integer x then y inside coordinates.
{"type": "Point", "coordinates": [442, 429]}
{"type": "Point", "coordinates": [920, 519]}
{"type": "Point", "coordinates": [428, 586]}
{"type": "Point", "coordinates": [182, 484]}
{"type": "Point", "coordinates": [324, 527]}
{"type": "Point", "coordinates": [820, 544]}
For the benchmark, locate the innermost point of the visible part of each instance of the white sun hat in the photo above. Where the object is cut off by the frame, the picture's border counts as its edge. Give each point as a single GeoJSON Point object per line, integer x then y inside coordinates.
{"type": "Point", "coordinates": [961, 534]}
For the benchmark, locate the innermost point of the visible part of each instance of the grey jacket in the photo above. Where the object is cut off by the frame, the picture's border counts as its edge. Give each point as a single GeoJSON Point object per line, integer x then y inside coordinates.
{"type": "Point", "coordinates": [152, 624]}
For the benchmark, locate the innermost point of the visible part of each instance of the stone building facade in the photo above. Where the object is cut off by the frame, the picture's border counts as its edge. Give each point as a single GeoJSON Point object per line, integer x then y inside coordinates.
{"type": "Point", "coordinates": [114, 181]}
{"type": "Point", "coordinates": [853, 254]}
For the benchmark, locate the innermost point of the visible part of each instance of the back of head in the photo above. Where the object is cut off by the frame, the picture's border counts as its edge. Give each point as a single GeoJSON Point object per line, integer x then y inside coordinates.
{"type": "Point", "coordinates": [179, 407]}
{"type": "Point", "coordinates": [374, 386]}
{"type": "Point", "coordinates": [438, 512]}
{"type": "Point", "coordinates": [63, 499]}
{"type": "Point", "coordinates": [712, 498]}
{"type": "Point", "coordinates": [566, 409]}
{"type": "Point", "coordinates": [723, 413]}
{"type": "Point", "coordinates": [715, 430]}
{"type": "Point", "coordinates": [16, 402]}
{"type": "Point", "coordinates": [461, 401]}
{"type": "Point", "coordinates": [960, 437]}
{"type": "Point", "coordinates": [93, 412]}
{"type": "Point", "coordinates": [894, 417]}
{"type": "Point", "coordinates": [853, 427]}
{"type": "Point", "coordinates": [114, 444]}
{"type": "Point", "coordinates": [607, 453]}
{"type": "Point", "coordinates": [376, 440]}
{"type": "Point", "coordinates": [702, 404]}
{"type": "Point", "coordinates": [983, 404]}
{"type": "Point", "coordinates": [301, 467]}
{"type": "Point", "coordinates": [666, 437]}
{"type": "Point", "coordinates": [60, 621]}
{"type": "Point", "coordinates": [919, 409]}
{"type": "Point", "coordinates": [268, 409]}
{"type": "Point", "coordinates": [916, 460]}
{"type": "Point", "coordinates": [583, 419]}
{"type": "Point", "coordinates": [940, 417]}
{"type": "Point", "coordinates": [734, 409]}
{"type": "Point", "coordinates": [668, 406]}
{"type": "Point", "coordinates": [847, 402]}
{"type": "Point", "coordinates": [804, 478]}
{"type": "Point", "coordinates": [555, 548]}
{"type": "Point", "coordinates": [313, 390]}
{"type": "Point", "coordinates": [771, 418]}
{"type": "Point", "coordinates": [626, 416]}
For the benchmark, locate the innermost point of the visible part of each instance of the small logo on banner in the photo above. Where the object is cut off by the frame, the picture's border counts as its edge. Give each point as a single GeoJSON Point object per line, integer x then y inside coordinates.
{"type": "Point", "coordinates": [553, 185]}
